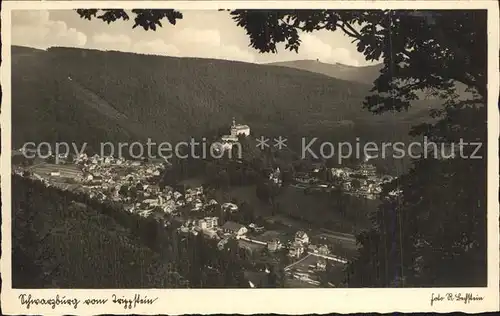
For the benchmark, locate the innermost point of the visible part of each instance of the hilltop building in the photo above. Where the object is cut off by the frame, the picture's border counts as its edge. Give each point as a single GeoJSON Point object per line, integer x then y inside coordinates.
{"type": "Point", "coordinates": [236, 130]}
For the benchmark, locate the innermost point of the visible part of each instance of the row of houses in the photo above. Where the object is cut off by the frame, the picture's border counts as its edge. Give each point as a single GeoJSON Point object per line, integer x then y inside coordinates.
{"type": "Point", "coordinates": [296, 247]}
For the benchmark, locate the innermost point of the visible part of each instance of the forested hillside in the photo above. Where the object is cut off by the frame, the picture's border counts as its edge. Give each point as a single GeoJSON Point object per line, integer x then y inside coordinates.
{"type": "Point", "coordinates": [86, 95]}
{"type": "Point", "coordinates": [63, 239]}
{"type": "Point", "coordinates": [58, 242]}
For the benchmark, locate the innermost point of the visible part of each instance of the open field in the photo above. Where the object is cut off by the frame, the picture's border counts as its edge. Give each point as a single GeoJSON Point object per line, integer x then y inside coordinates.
{"type": "Point", "coordinates": [321, 208]}
{"type": "Point", "coordinates": [66, 171]}
{"type": "Point", "coordinates": [244, 193]}
{"type": "Point", "coordinates": [349, 242]}
{"type": "Point", "coordinates": [294, 208]}
{"type": "Point", "coordinates": [314, 222]}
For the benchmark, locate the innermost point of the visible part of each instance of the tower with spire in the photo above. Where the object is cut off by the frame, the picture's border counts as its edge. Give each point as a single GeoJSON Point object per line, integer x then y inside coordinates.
{"type": "Point", "coordinates": [235, 131]}
{"type": "Point", "coordinates": [238, 129]}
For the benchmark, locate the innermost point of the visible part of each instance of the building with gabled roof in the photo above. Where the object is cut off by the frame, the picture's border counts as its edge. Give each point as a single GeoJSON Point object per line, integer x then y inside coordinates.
{"type": "Point", "coordinates": [234, 228]}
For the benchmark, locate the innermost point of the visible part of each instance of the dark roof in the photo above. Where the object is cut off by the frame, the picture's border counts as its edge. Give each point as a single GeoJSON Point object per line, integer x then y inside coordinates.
{"type": "Point", "coordinates": [232, 226]}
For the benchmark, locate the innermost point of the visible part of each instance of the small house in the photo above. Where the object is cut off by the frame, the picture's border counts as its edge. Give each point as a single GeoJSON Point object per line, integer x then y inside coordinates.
{"type": "Point", "coordinates": [212, 222]}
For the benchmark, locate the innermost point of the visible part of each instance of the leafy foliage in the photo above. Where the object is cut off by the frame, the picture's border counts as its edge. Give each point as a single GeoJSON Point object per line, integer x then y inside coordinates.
{"type": "Point", "coordinates": [147, 19]}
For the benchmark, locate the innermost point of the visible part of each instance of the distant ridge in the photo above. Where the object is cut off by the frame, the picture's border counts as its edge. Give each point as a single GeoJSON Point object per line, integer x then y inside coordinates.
{"type": "Point", "coordinates": [364, 74]}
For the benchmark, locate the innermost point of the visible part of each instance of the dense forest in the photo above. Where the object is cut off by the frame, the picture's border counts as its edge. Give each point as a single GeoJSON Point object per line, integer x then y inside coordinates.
{"type": "Point", "coordinates": [67, 240]}
{"type": "Point", "coordinates": [60, 242]}
{"type": "Point", "coordinates": [66, 94]}
{"type": "Point", "coordinates": [364, 75]}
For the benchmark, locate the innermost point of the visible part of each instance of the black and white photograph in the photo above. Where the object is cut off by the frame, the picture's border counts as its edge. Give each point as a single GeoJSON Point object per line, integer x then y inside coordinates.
{"type": "Point", "coordinates": [308, 148]}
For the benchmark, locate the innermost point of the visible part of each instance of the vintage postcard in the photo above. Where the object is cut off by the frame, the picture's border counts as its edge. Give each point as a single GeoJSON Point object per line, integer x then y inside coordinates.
{"type": "Point", "coordinates": [201, 157]}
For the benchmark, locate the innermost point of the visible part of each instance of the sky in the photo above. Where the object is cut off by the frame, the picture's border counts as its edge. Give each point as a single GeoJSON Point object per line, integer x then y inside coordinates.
{"type": "Point", "coordinates": [205, 34]}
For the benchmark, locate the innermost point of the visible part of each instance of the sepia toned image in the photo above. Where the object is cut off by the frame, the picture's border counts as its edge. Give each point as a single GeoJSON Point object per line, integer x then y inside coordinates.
{"type": "Point", "coordinates": [253, 148]}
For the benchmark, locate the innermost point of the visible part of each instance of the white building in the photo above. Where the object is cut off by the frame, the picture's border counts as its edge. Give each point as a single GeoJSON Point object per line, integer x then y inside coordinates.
{"type": "Point", "coordinates": [229, 139]}
{"type": "Point", "coordinates": [202, 224]}
{"type": "Point", "coordinates": [367, 169]}
{"type": "Point", "coordinates": [395, 192]}
{"type": "Point", "coordinates": [238, 129]}
{"type": "Point", "coordinates": [235, 131]}
{"type": "Point", "coordinates": [212, 222]}
{"type": "Point", "coordinates": [342, 172]}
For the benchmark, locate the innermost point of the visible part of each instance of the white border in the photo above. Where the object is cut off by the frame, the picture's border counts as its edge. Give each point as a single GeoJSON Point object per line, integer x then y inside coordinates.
{"type": "Point", "coordinates": [243, 301]}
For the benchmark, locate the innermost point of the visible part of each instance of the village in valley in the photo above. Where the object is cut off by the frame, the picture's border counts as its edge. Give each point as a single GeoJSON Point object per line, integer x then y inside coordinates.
{"type": "Point", "coordinates": [306, 252]}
